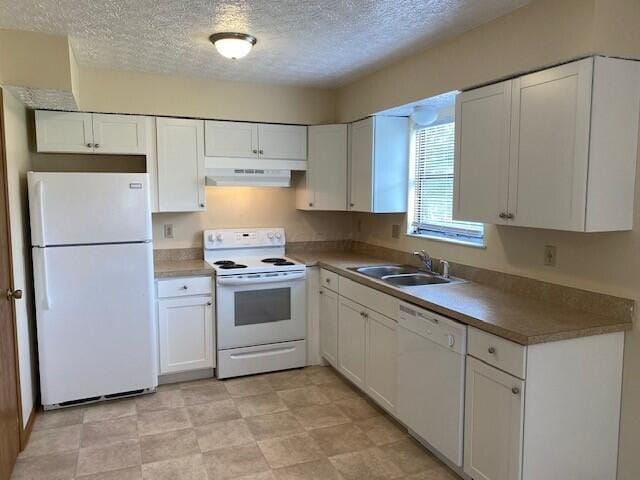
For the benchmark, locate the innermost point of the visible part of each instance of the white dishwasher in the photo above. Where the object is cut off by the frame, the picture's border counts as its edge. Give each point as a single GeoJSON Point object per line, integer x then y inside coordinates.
{"type": "Point", "coordinates": [431, 369]}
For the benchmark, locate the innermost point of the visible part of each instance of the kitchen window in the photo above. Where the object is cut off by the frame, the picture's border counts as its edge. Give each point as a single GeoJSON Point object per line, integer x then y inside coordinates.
{"type": "Point", "coordinates": [431, 187]}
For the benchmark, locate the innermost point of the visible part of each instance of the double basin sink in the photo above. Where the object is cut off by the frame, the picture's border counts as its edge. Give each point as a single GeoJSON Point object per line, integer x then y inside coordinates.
{"type": "Point", "coordinates": [404, 276]}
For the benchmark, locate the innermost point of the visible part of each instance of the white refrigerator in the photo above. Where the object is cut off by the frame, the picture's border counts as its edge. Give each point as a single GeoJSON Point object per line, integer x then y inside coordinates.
{"type": "Point", "coordinates": [93, 279]}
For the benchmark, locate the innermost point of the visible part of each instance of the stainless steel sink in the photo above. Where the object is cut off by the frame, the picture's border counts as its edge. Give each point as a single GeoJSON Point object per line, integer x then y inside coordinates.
{"type": "Point", "coordinates": [414, 280]}
{"type": "Point", "coordinates": [379, 271]}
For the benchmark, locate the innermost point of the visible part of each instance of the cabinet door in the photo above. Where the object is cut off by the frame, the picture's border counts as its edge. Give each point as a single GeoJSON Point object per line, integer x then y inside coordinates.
{"type": "Point", "coordinates": [122, 134]}
{"type": "Point", "coordinates": [231, 139]}
{"type": "Point", "coordinates": [185, 327]}
{"type": "Point", "coordinates": [180, 165]}
{"type": "Point", "coordinates": [66, 132]}
{"type": "Point", "coordinates": [483, 118]}
{"type": "Point", "coordinates": [327, 168]}
{"type": "Point", "coordinates": [494, 408]}
{"type": "Point", "coordinates": [549, 147]}
{"type": "Point", "coordinates": [282, 142]}
{"type": "Point", "coordinates": [361, 166]}
{"type": "Point", "coordinates": [381, 360]}
{"type": "Point", "coordinates": [351, 340]}
{"type": "Point", "coordinates": [329, 326]}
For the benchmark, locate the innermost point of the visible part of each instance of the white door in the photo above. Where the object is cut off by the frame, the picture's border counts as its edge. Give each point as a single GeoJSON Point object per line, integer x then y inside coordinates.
{"type": "Point", "coordinates": [122, 134]}
{"type": "Point", "coordinates": [549, 147]}
{"type": "Point", "coordinates": [186, 334]}
{"type": "Point", "coordinates": [81, 208]}
{"type": "Point", "coordinates": [483, 119]}
{"type": "Point", "coordinates": [352, 340]}
{"type": "Point", "coordinates": [327, 167]}
{"type": "Point", "coordinates": [494, 412]}
{"type": "Point", "coordinates": [65, 132]}
{"type": "Point", "coordinates": [282, 142]}
{"type": "Point", "coordinates": [231, 139]}
{"type": "Point", "coordinates": [329, 326]}
{"type": "Point", "coordinates": [96, 326]}
{"type": "Point", "coordinates": [180, 165]}
{"type": "Point", "coordinates": [381, 360]}
{"type": "Point", "coordinates": [361, 166]}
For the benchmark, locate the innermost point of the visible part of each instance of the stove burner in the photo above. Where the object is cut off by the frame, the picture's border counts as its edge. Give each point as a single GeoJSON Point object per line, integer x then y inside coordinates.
{"type": "Point", "coordinates": [273, 260]}
{"type": "Point", "coordinates": [283, 263]}
{"type": "Point", "coordinates": [232, 266]}
{"type": "Point", "coordinates": [225, 262]}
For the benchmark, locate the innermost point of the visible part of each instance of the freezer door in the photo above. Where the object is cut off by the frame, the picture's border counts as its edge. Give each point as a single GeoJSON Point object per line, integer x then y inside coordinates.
{"type": "Point", "coordinates": [95, 319]}
{"type": "Point", "coordinates": [86, 208]}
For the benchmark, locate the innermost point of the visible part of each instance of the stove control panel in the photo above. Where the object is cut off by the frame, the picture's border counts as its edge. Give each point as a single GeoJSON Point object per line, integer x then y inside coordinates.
{"type": "Point", "coordinates": [243, 238]}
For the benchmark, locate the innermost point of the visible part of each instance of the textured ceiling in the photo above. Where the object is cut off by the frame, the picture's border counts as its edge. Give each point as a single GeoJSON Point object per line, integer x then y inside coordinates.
{"type": "Point", "coordinates": [300, 42]}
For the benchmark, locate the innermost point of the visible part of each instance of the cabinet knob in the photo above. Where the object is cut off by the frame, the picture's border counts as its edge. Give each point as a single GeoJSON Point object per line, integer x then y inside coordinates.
{"type": "Point", "coordinates": [209, 304]}
{"type": "Point", "coordinates": [491, 350]}
{"type": "Point", "coordinates": [96, 145]}
{"type": "Point", "coordinates": [261, 151]}
{"type": "Point", "coordinates": [327, 280]}
{"type": "Point", "coordinates": [255, 151]}
{"type": "Point", "coordinates": [89, 145]}
{"type": "Point", "coordinates": [184, 287]}
{"type": "Point", "coordinates": [510, 216]}
{"type": "Point", "coordinates": [320, 292]}
{"type": "Point", "coordinates": [515, 390]}
{"type": "Point", "coordinates": [202, 205]}
{"type": "Point", "coordinates": [502, 215]}
{"type": "Point", "coordinates": [352, 204]}
{"type": "Point", "coordinates": [310, 204]}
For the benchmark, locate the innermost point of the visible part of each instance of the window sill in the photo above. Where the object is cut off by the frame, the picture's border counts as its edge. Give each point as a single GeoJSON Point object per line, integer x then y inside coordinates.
{"type": "Point", "coordinates": [445, 239]}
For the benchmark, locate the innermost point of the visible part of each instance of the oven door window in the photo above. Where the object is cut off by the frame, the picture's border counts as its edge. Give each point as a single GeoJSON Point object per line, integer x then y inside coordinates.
{"type": "Point", "coordinates": [262, 306]}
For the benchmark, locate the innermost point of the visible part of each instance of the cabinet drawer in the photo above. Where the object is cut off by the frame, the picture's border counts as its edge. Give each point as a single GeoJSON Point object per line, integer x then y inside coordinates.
{"type": "Point", "coordinates": [180, 287]}
{"type": "Point", "coordinates": [329, 279]}
{"type": "Point", "coordinates": [499, 352]}
{"type": "Point", "coordinates": [369, 297]}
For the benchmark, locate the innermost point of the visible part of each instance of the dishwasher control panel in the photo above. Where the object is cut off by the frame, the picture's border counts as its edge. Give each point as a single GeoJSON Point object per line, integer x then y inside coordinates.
{"type": "Point", "coordinates": [437, 328]}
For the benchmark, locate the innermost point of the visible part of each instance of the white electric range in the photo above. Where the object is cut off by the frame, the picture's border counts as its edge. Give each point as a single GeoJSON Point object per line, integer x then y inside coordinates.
{"type": "Point", "coordinates": [261, 301]}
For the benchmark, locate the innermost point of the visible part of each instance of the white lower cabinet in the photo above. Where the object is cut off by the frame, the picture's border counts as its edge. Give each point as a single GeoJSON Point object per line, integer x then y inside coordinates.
{"type": "Point", "coordinates": [380, 364]}
{"type": "Point", "coordinates": [329, 326]}
{"type": "Point", "coordinates": [494, 410]}
{"type": "Point", "coordinates": [186, 331]}
{"type": "Point", "coordinates": [351, 341]}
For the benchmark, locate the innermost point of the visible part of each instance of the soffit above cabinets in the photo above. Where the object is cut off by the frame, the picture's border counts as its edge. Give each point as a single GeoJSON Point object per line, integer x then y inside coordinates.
{"type": "Point", "coordinates": [322, 43]}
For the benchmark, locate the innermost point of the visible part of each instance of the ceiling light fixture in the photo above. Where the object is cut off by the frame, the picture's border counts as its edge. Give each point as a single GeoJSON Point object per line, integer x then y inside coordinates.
{"type": "Point", "coordinates": [233, 45]}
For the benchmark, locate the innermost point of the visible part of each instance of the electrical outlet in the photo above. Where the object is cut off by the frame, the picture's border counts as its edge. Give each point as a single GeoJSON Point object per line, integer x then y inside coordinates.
{"type": "Point", "coordinates": [395, 231]}
{"type": "Point", "coordinates": [168, 230]}
{"type": "Point", "coordinates": [550, 255]}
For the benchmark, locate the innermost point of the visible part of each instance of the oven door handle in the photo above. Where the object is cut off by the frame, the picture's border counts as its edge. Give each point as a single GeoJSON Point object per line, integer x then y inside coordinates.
{"type": "Point", "coordinates": [260, 280]}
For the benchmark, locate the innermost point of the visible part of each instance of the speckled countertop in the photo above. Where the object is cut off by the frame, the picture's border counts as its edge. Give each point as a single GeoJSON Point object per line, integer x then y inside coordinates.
{"type": "Point", "coordinates": [519, 318]}
{"type": "Point", "coordinates": [181, 268]}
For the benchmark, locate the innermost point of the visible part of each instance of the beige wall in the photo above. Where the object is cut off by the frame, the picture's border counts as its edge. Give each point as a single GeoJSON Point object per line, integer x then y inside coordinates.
{"type": "Point", "coordinates": [18, 163]}
{"type": "Point", "coordinates": [542, 33]}
{"type": "Point", "coordinates": [239, 207]}
{"type": "Point", "coordinates": [152, 94]}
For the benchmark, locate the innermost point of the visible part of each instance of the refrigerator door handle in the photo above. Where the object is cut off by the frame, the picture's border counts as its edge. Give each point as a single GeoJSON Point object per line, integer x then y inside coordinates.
{"type": "Point", "coordinates": [41, 274]}
{"type": "Point", "coordinates": [40, 206]}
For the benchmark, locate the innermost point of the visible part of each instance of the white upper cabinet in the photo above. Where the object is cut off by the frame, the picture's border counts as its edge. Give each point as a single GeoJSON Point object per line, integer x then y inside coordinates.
{"type": "Point", "coordinates": [282, 142]}
{"type": "Point", "coordinates": [324, 186]}
{"type": "Point", "coordinates": [231, 139]}
{"type": "Point", "coordinates": [572, 132]}
{"type": "Point", "coordinates": [77, 132]}
{"type": "Point", "coordinates": [232, 144]}
{"type": "Point", "coordinates": [181, 178]}
{"type": "Point", "coordinates": [66, 132]}
{"type": "Point", "coordinates": [378, 165]}
{"type": "Point", "coordinates": [482, 153]}
{"type": "Point", "coordinates": [123, 134]}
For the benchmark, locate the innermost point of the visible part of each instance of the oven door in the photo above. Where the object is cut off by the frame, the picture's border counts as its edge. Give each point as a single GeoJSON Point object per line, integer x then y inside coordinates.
{"type": "Point", "coordinates": [260, 309]}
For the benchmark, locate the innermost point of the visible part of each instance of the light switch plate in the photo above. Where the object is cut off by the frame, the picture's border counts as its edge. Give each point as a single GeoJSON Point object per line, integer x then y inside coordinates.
{"type": "Point", "coordinates": [550, 254]}
{"type": "Point", "coordinates": [168, 230]}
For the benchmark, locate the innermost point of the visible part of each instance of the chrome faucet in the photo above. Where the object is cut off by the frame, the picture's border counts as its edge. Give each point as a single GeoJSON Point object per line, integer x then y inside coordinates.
{"type": "Point", "coordinates": [425, 258]}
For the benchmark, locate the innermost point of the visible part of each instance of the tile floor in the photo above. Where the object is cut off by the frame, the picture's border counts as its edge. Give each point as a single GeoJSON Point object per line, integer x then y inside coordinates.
{"type": "Point", "coordinates": [299, 424]}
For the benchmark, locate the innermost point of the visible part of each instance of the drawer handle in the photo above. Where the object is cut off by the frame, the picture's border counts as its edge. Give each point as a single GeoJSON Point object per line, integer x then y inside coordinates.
{"type": "Point", "coordinates": [184, 287]}
{"type": "Point", "coordinates": [491, 350]}
{"type": "Point", "coordinates": [515, 390]}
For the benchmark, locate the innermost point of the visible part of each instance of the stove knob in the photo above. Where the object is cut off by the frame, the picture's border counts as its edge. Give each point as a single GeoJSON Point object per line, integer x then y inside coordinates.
{"type": "Point", "coordinates": [219, 237]}
{"type": "Point", "coordinates": [211, 238]}
{"type": "Point", "coordinates": [278, 235]}
{"type": "Point", "coordinates": [270, 235]}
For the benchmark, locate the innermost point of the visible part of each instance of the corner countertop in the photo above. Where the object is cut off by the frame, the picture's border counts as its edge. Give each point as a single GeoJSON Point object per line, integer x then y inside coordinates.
{"type": "Point", "coordinates": [181, 268]}
{"type": "Point", "coordinates": [524, 320]}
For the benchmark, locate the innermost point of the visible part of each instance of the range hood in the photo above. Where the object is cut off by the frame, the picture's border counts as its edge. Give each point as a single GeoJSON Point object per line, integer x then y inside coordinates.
{"type": "Point", "coordinates": [247, 177]}
{"type": "Point", "coordinates": [250, 172]}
